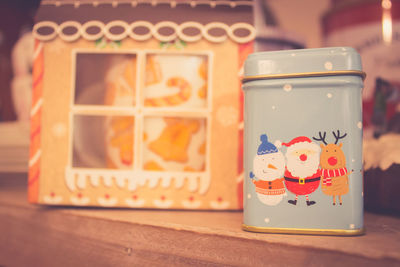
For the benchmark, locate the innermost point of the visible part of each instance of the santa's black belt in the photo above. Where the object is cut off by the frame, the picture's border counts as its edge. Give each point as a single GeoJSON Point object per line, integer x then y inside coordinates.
{"type": "Point", "coordinates": [302, 180]}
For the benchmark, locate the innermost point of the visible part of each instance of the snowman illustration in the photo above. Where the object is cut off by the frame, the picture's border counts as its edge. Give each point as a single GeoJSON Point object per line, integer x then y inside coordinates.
{"type": "Point", "coordinates": [267, 174]}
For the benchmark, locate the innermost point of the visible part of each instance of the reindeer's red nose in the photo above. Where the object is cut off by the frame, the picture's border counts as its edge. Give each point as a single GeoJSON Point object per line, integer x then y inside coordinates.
{"type": "Point", "coordinates": [303, 157]}
{"type": "Point", "coordinates": [332, 161]}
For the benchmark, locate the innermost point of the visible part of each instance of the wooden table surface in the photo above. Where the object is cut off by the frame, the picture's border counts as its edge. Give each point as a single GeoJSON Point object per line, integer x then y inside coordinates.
{"type": "Point", "coordinates": [32, 235]}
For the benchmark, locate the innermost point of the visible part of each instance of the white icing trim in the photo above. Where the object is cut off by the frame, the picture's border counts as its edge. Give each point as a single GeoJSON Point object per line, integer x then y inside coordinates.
{"type": "Point", "coordinates": [138, 37]}
{"type": "Point", "coordinates": [37, 51]}
{"type": "Point", "coordinates": [241, 25]}
{"type": "Point", "coordinates": [186, 25]}
{"type": "Point", "coordinates": [135, 203]}
{"type": "Point", "coordinates": [163, 204]}
{"type": "Point", "coordinates": [135, 3]}
{"type": "Point", "coordinates": [153, 31]}
{"type": "Point", "coordinates": [45, 24]}
{"type": "Point", "coordinates": [219, 205]}
{"type": "Point", "coordinates": [35, 158]}
{"type": "Point", "coordinates": [79, 201]}
{"type": "Point", "coordinates": [195, 204]}
{"type": "Point", "coordinates": [107, 202]}
{"type": "Point", "coordinates": [80, 177]}
{"type": "Point", "coordinates": [37, 106]}
{"type": "Point", "coordinates": [93, 23]}
{"type": "Point", "coordinates": [70, 37]}
{"type": "Point", "coordinates": [215, 25]}
{"type": "Point", "coordinates": [164, 24]}
{"type": "Point", "coordinates": [52, 200]}
{"type": "Point", "coordinates": [116, 23]}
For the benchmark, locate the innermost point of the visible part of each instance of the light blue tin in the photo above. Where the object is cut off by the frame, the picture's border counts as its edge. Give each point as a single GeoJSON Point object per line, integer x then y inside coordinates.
{"type": "Point", "coordinates": [303, 142]}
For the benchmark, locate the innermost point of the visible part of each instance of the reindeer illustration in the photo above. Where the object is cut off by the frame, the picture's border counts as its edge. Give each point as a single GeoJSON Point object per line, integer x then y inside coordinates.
{"type": "Point", "coordinates": [334, 175]}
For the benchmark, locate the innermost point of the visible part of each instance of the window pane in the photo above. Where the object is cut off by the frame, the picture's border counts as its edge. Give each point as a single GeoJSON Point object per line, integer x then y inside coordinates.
{"type": "Point", "coordinates": [176, 80]}
{"type": "Point", "coordinates": [174, 144]}
{"type": "Point", "coordinates": [103, 141]}
{"type": "Point", "coordinates": [105, 79]}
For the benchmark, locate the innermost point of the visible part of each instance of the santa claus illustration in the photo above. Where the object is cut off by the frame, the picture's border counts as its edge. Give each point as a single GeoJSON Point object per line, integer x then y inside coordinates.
{"type": "Point", "coordinates": [267, 175]}
{"type": "Point", "coordinates": [302, 174]}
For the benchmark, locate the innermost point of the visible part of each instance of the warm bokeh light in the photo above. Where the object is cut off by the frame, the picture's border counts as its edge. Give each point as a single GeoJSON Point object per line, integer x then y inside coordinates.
{"type": "Point", "coordinates": [387, 21]}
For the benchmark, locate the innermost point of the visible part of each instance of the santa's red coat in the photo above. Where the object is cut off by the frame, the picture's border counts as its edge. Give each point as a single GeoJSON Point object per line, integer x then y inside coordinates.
{"type": "Point", "coordinates": [302, 189]}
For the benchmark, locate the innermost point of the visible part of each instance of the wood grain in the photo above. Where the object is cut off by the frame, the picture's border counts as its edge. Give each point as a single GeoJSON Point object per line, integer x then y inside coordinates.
{"type": "Point", "coordinates": [49, 236]}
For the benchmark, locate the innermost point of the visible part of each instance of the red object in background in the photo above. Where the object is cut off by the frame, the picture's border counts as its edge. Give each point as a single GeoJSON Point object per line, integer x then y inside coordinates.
{"type": "Point", "coordinates": [345, 13]}
{"type": "Point", "coordinates": [373, 29]}
{"type": "Point", "coordinates": [14, 16]}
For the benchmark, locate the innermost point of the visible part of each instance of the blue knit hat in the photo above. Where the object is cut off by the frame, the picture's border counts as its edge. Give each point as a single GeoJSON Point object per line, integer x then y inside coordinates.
{"type": "Point", "coordinates": [266, 147]}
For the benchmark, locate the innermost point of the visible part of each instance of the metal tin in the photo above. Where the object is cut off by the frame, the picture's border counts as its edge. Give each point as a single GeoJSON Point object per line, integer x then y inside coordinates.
{"type": "Point", "coordinates": [303, 142]}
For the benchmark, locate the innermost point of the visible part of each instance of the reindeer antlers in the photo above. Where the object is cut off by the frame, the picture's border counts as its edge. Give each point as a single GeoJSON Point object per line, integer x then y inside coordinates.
{"type": "Point", "coordinates": [337, 136]}
{"type": "Point", "coordinates": [321, 138]}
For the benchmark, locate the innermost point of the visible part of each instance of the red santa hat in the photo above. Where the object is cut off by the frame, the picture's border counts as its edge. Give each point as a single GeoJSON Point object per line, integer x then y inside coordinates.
{"type": "Point", "coordinates": [301, 142]}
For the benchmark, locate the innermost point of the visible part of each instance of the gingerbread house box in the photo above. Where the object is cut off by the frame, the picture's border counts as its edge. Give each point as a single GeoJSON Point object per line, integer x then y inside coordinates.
{"type": "Point", "coordinates": [137, 103]}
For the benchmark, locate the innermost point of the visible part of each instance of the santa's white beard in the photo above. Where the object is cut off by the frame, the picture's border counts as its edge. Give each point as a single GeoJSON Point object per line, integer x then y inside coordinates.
{"type": "Point", "coordinates": [303, 169]}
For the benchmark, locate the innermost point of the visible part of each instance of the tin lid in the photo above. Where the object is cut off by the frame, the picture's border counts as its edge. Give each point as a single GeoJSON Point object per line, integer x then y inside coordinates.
{"type": "Point", "coordinates": [327, 61]}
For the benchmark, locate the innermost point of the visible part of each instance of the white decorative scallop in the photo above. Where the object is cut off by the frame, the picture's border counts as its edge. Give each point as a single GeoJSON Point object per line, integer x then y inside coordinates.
{"type": "Point", "coordinates": [69, 37]}
{"type": "Point", "coordinates": [219, 205]}
{"type": "Point", "coordinates": [134, 3]}
{"type": "Point", "coordinates": [191, 204]}
{"type": "Point", "coordinates": [107, 201]}
{"type": "Point", "coordinates": [135, 203]}
{"type": "Point", "coordinates": [52, 199]}
{"type": "Point", "coordinates": [119, 24]}
{"type": "Point", "coordinates": [163, 204]}
{"type": "Point", "coordinates": [93, 23]}
{"type": "Point", "coordinates": [164, 24]}
{"type": "Point", "coordinates": [215, 25]}
{"type": "Point", "coordinates": [79, 200]}
{"type": "Point", "coordinates": [137, 24]}
{"type": "Point", "coordinates": [153, 31]}
{"type": "Point", "coordinates": [242, 39]}
{"type": "Point", "coordinates": [45, 24]}
{"type": "Point", "coordinates": [188, 25]}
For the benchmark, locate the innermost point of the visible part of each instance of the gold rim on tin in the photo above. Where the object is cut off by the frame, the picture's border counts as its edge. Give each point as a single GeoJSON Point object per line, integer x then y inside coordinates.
{"type": "Point", "coordinates": [336, 232]}
{"type": "Point", "coordinates": [304, 75]}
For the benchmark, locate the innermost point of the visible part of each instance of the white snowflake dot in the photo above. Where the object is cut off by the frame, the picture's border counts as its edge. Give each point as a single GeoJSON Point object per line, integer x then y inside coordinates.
{"type": "Point", "coordinates": [273, 107]}
{"type": "Point", "coordinates": [353, 160]}
{"type": "Point", "coordinates": [352, 226]}
{"type": "Point", "coordinates": [248, 196]}
{"type": "Point", "coordinates": [266, 220]}
{"type": "Point", "coordinates": [359, 125]}
{"type": "Point", "coordinates": [329, 95]}
{"type": "Point", "coordinates": [293, 54]}
{"type": "Point", "coordinates": [59, 129]}
{"type": "Point", "coordinates": [287, 87]}
{"type": "Point", "coordinates": [328, 65]}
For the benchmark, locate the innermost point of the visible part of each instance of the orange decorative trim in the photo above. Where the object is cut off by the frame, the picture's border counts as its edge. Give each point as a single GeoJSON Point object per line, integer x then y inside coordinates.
{"type": "Point", "coordinates": [244, 51]}
{"type": "Point", "coordinates": [36, 111]}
